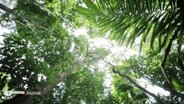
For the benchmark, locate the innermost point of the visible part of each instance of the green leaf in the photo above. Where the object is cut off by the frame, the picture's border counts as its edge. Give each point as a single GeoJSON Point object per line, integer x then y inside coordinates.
{"type": "Point", "coordinates": [91, 5]}
{"type": "Point", "coordinates": [85, 11]}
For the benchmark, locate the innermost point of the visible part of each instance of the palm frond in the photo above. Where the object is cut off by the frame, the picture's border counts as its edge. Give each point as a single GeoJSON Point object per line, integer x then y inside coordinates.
{"type": "Point", "coordinates": [153, 20]}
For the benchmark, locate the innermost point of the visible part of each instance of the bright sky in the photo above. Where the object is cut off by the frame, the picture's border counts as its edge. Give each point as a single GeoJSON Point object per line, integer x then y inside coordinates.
{"type": "Point", "coordinates": [3, 30]}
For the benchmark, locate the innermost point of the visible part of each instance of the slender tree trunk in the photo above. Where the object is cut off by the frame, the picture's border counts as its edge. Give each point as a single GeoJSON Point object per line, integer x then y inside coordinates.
{"type": "Point", "coordinates": [28, 99]}
{"type": "Point", "coordinates": [60, 78]}
{"type": "Point", "coordinates": [137, 85]}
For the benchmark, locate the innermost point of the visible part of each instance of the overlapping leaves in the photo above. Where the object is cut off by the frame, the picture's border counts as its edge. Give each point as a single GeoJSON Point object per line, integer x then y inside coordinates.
{"type": "Point", "coordinates": [39, 45]}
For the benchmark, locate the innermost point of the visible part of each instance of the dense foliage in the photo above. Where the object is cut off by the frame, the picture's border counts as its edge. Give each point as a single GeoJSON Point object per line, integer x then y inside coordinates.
{"type": "Point", "coordinates": [42, 42]}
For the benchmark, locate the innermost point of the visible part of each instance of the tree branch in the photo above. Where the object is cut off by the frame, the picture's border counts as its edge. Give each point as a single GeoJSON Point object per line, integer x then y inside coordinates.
{"type": "Point", "coordinates": [132, 81]}
{"type": "Point", "coordinates": [5, 8]}
{"type": "Point", "coordinates": [136, 84]}
{"type": "Point", "coordinates": [61, 77]}
{"type": "Point", "coordinates": [166, 54]}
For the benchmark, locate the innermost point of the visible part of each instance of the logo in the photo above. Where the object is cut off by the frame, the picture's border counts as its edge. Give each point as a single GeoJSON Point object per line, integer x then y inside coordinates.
{"type": "Point", "coordinates": [9, 93]}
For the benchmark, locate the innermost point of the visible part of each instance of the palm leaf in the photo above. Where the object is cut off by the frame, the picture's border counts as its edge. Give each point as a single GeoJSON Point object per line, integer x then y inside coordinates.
{"type": "Point", "coordinates": [128, 19]}
{"type": "Point", "coordinates": [91, 5]}
{"type": "Point", "coordinates": [85, 11]}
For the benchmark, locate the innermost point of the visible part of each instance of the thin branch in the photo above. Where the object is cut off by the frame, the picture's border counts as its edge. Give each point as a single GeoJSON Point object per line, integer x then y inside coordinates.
{"type": "Point", "coordinates": [166, 54]}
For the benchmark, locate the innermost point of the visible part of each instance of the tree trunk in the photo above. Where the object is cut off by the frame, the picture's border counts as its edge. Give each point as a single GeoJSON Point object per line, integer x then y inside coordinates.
{"type": "Point", "coordinates": [28, 99]}
{"type": "Point", "coordinates": [137, 85]}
